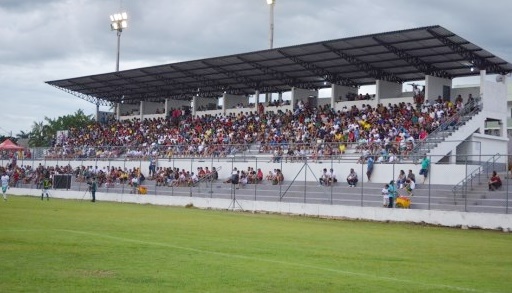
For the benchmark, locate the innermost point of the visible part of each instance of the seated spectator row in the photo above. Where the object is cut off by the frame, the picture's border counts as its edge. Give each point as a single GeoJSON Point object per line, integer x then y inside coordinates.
{"type": "Point", "coordinates": [305, 133]}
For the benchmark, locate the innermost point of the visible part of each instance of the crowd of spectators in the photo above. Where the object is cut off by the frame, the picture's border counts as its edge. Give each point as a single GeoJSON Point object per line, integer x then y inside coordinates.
{"type": "Point", "coordinates": [387, 132]}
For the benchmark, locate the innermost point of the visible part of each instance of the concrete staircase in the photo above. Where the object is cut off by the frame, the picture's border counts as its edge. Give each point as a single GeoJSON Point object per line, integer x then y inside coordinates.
{"type": "Point", "coordinates": [475, 195]}
{"type": "Point", "coordinates": [449, 135]}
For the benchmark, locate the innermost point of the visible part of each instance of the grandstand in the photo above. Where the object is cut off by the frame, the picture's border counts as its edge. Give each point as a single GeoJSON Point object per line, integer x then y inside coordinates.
{"type": "Point", "coordinates": [171, 112]}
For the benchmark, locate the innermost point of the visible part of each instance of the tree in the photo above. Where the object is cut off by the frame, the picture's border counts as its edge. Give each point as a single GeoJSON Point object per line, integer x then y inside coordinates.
{"type": "Point", "coordinates": [43, 133]}
{"type": "Point", "coordinates": [22, 135]}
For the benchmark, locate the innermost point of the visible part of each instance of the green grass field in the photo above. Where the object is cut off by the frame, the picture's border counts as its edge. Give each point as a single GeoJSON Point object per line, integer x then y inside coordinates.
{"type": "Point", "coordinates": [79, 246]}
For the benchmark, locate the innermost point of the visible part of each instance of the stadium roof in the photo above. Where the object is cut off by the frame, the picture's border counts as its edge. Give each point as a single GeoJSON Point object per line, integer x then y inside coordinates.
{"type": "Point", "coordinates": [397, 56]}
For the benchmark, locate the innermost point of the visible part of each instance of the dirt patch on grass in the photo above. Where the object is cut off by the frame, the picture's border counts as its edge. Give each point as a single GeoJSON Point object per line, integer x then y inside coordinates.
{"type": "Point", "coordinates": [93, 273]}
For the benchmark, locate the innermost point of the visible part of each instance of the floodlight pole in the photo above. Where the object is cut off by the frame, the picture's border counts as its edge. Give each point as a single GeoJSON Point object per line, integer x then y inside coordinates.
{"type": "Point", "coordinates": [271, 3]}
{"type": "Point", "coordinates": [119, 31]}
{"type": "Point", "coordinates": [119, 21]}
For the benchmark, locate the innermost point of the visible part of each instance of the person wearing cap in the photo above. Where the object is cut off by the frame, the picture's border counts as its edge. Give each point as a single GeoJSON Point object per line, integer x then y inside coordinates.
{"type": "Point", "coordinates": [391, 193]}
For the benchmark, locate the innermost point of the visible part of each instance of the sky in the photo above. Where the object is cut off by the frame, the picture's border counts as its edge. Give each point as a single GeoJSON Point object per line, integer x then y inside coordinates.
{"type": "Point", "coordinates": [44, 40]}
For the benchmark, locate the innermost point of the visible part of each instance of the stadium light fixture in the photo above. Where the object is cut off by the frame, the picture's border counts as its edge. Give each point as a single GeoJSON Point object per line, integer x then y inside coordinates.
{"type": "Point", "coordinates": [119, 21]}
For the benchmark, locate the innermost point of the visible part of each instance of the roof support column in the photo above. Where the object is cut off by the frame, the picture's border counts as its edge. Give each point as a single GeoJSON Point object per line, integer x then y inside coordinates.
{"type": "Point", "coordinates": [141, 110]}
{"type": "Point", "coordinates": [118, 111]}
{"type": "Point", "coordinates": [483, 73]}
{"type": "Point", "coordinates": [194, 105]}
{"type": "Point", "coordinates": [166, 108]}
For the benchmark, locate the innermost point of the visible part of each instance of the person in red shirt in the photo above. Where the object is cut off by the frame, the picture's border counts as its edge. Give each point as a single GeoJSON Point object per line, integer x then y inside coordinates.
{"type": "Point", "coordinates": [259, 175]}
{"type": "Point", "coordinates": [201, 172]}
{"type": "Point", "coordinates": [494, 182]}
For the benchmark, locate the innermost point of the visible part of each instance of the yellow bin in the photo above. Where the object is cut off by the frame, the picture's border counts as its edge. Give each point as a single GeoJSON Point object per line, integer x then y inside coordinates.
{"type": "Point", "coordinates": [403, 202]}
{"type": "Point", "coordinates": [143, 189]}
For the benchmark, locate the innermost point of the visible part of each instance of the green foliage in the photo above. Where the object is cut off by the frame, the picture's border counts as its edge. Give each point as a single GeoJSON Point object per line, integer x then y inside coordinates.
{"type": "Point", "coordinates": [79, 246]}
{"type": "Point", "coordinates": [43, 133]}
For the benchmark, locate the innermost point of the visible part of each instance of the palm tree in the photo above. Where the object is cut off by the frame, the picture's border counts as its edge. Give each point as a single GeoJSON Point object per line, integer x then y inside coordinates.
{"type": "Point", "coordinates": [22, 135]}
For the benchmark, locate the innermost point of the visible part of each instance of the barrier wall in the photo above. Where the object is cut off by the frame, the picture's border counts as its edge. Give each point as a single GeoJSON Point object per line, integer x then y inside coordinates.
{"type": "Point", "coordinates": [443, 218]}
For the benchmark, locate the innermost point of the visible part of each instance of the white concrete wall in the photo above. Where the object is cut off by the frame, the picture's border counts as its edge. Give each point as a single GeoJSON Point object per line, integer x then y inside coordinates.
{"type": "Point", "coordinates": [464, 92]}
{"type": "Point", "coordinates": [324, 101]}
{"type": "Point", "coordinates": [491, 145]}
{"type": "Point", "coordinates": [339, 92]}
{"type": "Point", "coordinates": [128, 108]}
{"type": "Point", "coordinates": [205, 102]}
{"type": "Point", "coordinates": [302, 94]}
{"type": "Point", "coordinates": [178, 104]}
{"type": "Point", "coordinates": [495, 100]}
{"type": "Point", "coordinates": [383, 173]}
{"type": "Point", "coordinates": [230, 101]}
{"type": "Point", "coordinates": [434, 217]}
{"type": "Point", "coordinates": [151, 107]}
{"type": "Point", "coordinates": [434, 87]}
{"type": "Point", "coordinates": [387, 90]}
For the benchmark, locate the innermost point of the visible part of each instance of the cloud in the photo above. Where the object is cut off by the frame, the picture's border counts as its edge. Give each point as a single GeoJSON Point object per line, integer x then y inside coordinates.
{"type": "Point", "coordinates": [58, 39]}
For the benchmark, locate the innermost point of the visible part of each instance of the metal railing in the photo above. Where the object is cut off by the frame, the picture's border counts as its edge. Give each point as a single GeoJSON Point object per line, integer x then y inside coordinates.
{"type": "Point", "coordinates": [447, 127]}
{"type": "Point", "coordinates": [461, 188]}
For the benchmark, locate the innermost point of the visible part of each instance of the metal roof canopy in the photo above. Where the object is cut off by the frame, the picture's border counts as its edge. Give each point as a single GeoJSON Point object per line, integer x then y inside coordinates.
{"type": "Point", "coordinates": [398, 56]}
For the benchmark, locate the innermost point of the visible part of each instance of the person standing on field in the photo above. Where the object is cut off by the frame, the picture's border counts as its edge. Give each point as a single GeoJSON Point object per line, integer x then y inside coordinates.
{"type": "Point", "coordinates": [5, 184]}
{"type": "Point", "coordinates": [94, 187]}
{"type": "Point", "coordinates": [46, 185]}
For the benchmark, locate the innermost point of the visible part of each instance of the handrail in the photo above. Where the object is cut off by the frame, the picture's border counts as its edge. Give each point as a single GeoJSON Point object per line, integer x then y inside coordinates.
{"type": "Point", "coordinates": [463, 183]}
{"type": "Point", "coordinates": [466, 111]}
{"type": "Point", "coordinates": [209, 177]}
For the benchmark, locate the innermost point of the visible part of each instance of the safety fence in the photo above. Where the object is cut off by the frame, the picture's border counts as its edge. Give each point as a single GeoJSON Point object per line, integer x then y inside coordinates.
{"type": "Point", "coordinates": [462, 185]}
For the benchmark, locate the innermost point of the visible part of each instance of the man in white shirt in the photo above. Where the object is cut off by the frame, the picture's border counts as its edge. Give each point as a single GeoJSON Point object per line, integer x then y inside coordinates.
{"type": "Point", "coordinates": [5, 184]}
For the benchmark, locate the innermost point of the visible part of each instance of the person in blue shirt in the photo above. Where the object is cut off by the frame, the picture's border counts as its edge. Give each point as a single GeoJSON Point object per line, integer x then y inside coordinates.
{"type": "Point", "coordinates": [392, 192]}
{"type": "Point", "coordinates": [369, 167]}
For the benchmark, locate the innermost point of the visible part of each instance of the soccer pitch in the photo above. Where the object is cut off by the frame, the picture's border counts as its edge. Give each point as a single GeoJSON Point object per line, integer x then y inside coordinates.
{"type": "Point", "coordinates": [79, 246]}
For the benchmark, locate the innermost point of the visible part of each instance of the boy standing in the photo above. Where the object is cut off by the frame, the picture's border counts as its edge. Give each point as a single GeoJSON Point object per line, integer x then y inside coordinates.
{"type": "Point", "coordinates": [385, 196]}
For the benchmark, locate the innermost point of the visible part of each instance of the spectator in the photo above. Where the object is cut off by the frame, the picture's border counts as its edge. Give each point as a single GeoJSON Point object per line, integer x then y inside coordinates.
{"type": "Point", "coordinates": [385, 195]}
{"type": "Point", "coordinates": [369, 167]}
{"type": "Point", "coordinates": [278, 177]}
{"type": "Point", "coordinates": [332, 177]}
{"type": "Point", "coordinates": [352, 178]}
{"type": "Point", "coordinates": [392, 193]}
{"type": "Point", "coordinates": [259, 175]}
{"type": "Point", "coordinates": [425, 166]}
{"type": "Point", "coordinates": [411, 176]}
{"type": "Point", "coordinates": [400, 181]}
{"type": "Point", "coordinates": [409, 186]}
{"type": "Point", "coordinates": [494, 181]}
{"type": "Point", "coordinates": [324, 178]}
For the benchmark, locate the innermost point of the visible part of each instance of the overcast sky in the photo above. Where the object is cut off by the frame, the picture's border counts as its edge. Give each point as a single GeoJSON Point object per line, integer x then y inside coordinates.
{"type": "Point", "coordinates": [43, 40]}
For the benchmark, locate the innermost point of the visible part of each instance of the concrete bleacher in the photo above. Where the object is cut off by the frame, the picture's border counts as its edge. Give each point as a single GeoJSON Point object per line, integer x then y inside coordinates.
{"type": "Point", "coordinates": [366, 194]}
